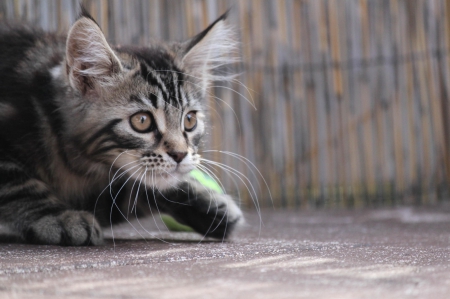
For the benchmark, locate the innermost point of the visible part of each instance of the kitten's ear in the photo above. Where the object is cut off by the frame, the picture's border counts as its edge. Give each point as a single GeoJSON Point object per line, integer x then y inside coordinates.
{"type": "Point", "coordinates": [212, 48]}
{"type": "Point", "coordinates": [90, 61]}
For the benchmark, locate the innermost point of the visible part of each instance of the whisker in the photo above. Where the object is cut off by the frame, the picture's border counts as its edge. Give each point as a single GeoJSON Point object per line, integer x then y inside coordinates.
{"type": "Point", "coordinates": [240, 94]}
{"type": "Point", "coordinates": [241, 177]}
{"type": "Point", "coordinates": [219, 117]}
{"type": "Point", "coordinates": [179, 203]}
{"type": "Point", "coordinates": [154, 198]}
{"type": "Point", "coordinates": [172, 177]}
{"type": "Point", "coordinates": [151, 211]}
{"type": "Point", "coordinates": [156, 204]}
{"type": "Point", "coordinates": [114, 204]}
{"type": "Point", "coordinates": [110, 183]}
{"type": "Point", "coordinates": [124, 184]}
{"type": "Point", "coordinates": [144, 174]}
{"type": "Point", "coordinates": [246, 161]}
{"type": "Point", "coordinates": [121, 175]}
{"type": "Point", "coordinates": [227, 104]}
{"type": "Point", "coordinates": [131, 194]}
{"type": "Point", "coordinates": [213, 196]}
{"type": "Point", "coordinates": [206, 189]}
{"type": "Point", "coordinates": [238, 174]}
{"type": "Point", "coordinates": [211, 174]}
{"type": "Point", "coordinates": [248, 91]}
{"type": "Point", "coordinates": [204, 168]}
{"type": "Point", "coordinates": [210, 171]}
{"type": "Point", "coordinates": [108, 186]}
{"type": "Point", "coordinates": [112, 164]}
{"type": "Point", "coordinates": [207, 171]}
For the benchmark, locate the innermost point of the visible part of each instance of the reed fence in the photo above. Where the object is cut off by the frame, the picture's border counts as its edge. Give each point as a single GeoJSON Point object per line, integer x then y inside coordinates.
{"type": "Point", "coordinates": [352, 96]}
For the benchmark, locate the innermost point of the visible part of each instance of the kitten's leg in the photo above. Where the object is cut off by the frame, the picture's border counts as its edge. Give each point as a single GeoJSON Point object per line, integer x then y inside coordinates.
{"type": "Point", "coordinates": [29, 208]}
{"type": "Point", "coordinates": [206, 211]}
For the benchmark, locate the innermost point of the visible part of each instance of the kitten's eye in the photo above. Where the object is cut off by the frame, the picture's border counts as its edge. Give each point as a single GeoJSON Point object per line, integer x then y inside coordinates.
{"type": "Point", "coordinates": [190, 121]}
{"type": "Point", "coordinates": [141, 122]}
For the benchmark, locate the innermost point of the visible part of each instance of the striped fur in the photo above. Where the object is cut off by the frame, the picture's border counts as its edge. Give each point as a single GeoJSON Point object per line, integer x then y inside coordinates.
{"type": "Point", "coordinates": [66, 132]}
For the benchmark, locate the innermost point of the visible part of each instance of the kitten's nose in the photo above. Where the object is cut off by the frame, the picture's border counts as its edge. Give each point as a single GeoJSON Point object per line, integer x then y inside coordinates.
{"type": "Point", "coordinates": [177, 156]}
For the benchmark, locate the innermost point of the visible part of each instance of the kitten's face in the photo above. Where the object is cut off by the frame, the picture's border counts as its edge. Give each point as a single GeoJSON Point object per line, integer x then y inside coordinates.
{"type": "Point", "coordinates": [140, 111]}
{"type": "Point", "coordinates": [155, 120]}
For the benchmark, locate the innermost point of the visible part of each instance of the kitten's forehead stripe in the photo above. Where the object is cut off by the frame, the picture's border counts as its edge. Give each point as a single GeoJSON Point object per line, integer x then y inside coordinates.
{"type": "Point", "coordinates": [137, 99]}
{"type": "Point", "coordinates": [153, 79]}
{"type": "Point", "coordinates": [181, 89]}
{"type": "Point", "coordinates": [150, 103]}
{"type": "Point", "coordinates": [158, 69]}
{"type": "Point", "coordinates": [153, 99]}
{"type": "Point", "coordinates": [167, 80]}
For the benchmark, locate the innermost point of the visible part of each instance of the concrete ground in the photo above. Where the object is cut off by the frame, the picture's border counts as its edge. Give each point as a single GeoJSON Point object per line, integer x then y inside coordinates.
{"type": "Point", "coordinates": [395, 253]}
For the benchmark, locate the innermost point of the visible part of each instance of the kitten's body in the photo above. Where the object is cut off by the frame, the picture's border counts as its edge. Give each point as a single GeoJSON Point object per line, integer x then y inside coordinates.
{"type": "Point", "coordinates": [73, 117]}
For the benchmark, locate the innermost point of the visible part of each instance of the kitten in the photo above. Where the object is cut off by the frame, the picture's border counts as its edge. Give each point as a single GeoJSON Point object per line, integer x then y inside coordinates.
{"type": "Point", "coordinates": [88, 128]}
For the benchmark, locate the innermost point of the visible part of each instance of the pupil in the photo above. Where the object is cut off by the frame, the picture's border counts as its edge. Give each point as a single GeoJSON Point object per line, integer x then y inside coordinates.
{"type": "Point", "coordinates": [142, 119]}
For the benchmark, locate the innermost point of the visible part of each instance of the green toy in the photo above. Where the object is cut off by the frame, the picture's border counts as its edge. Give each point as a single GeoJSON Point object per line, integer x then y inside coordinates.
{"type": "Point", "coordinates": [206, 180]}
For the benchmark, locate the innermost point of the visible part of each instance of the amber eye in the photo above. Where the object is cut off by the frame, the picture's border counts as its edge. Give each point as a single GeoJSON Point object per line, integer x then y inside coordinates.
{"type": "Point", "coordinates": [141, 122]}
{"type": "Point", "coordinates": [190, 121]}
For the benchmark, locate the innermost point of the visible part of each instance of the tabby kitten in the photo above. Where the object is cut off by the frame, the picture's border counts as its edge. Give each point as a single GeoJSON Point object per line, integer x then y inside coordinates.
{"type": "Point", "coordinates": [78, 115]}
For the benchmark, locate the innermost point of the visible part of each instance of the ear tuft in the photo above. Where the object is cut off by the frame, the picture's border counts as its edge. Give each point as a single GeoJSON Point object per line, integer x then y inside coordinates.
{"type": "Point", "coordinates": [84, 13]}
{"type": "Point", "coordinates": [91, 63]}
{"type": "Point", "coordinates": [208, 51]}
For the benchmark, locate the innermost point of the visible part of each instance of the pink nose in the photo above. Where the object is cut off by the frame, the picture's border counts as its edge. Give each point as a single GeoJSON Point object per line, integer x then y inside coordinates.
{"type": "Point", "coordinates": [177, 156]}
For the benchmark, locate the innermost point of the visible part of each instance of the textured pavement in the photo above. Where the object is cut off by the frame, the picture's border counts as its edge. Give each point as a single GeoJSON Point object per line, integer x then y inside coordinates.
{"type": "Point", "coordinates": [388, 253]}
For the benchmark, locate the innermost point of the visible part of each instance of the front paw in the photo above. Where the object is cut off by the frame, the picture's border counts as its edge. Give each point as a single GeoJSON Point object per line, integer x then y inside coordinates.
{"type": "Point", "coordinates": [71, 228]}
{"type": "Point", "coordinates": [231, 214]}
{"type": "Point", "coordinates": [219, 216]}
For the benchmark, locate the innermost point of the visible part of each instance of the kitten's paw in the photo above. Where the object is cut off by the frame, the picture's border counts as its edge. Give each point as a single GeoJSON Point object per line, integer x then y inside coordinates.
{"type": "Point", "coordinates": [221, 216]}
{"type": "Point", "coordinates": [71, 228]}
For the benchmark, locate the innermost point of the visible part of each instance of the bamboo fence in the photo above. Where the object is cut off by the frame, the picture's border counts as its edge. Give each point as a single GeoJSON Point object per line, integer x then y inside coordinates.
{"type": "Point", "coordinates": [352, 96]}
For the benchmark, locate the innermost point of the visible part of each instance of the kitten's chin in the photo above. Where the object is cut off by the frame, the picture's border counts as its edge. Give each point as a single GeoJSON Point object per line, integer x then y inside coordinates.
{"type": "Point", "coordinates": [166, 180]}
{"type": "Point", "coordinates": [163, 181]}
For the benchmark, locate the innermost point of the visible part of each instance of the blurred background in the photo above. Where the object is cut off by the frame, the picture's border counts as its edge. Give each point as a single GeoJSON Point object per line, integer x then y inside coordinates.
{"type": "Point", "coordinates": [351, 96]}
